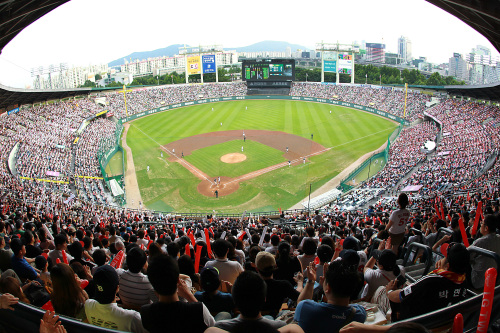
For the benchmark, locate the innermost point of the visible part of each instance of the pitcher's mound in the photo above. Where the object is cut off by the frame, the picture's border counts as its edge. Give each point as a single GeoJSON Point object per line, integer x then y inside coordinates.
{"type": "Point", "coordinates": [233, 158]}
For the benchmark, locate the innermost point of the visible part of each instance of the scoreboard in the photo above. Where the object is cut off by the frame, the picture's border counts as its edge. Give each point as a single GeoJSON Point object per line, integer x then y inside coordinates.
{"type": "Point", "coordinates": [268, 70]}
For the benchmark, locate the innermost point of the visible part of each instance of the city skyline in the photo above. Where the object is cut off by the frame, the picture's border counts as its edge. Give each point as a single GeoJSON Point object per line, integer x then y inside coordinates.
{"type": "Point", "coordinates": [83, 32]}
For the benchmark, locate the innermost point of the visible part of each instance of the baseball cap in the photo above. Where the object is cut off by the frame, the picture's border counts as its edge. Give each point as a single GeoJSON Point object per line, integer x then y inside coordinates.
{"type": "Point", "coordinates": [209, 277]}
{"type": "Point", "coordinates": [265, 261]}
{"type": "Point", "coordinates": [350, 243]}
{"type": "Point", "coordinates": [106, 281]}
{"type": "Point", "coordinates": [350, 257]}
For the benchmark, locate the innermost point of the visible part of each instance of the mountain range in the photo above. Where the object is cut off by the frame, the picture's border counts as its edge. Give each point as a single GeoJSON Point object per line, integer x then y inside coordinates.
{"type": "Point", "coordinates": [171, 50]}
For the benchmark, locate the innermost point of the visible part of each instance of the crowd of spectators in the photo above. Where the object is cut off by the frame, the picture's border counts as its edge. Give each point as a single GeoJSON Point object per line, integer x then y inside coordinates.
{"type": "Point", "coordinates": [469, 140]}
{"type": "Point", "coordinates": [387, 99]}
{"type": "Point", "coordinates": [254, 273]}
{"type": "Point", "coordinates": [149, 98]}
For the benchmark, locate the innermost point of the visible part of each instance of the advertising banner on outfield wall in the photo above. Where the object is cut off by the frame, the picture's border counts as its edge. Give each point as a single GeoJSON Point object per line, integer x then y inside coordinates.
{"type": "Point", "coordinates": [193, 65]}
{"type": "Point", "coordinates": [208, 62]}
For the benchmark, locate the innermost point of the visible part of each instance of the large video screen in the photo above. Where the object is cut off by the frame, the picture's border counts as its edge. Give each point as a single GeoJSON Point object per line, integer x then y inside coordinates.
{"type": "Point", "coordinates": [268, 70]}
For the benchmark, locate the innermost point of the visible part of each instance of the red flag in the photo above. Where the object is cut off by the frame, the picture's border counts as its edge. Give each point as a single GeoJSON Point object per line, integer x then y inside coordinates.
{"type": "Point", "coordinates": [479, 212]}
{"type": "Point", "coordinates": [187, 250]}
{"type": "Point", "coordinates": [462, 230]}
{"type": "Point", "coordinates": [118, 260]}
{"type": "Point", "coordinates": [65, 257]}
{"type": "Point", "coordinates": [197, 258]}
{"type": "Point", "coordinates": [209, 246]}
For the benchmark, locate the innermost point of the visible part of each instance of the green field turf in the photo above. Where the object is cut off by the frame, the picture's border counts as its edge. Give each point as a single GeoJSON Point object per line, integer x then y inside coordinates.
{"type": "Point", "coordinates": [368, 171]}
{"type": "Point", "coordinates": [169, 186]}
{"type": "Point", "coordinates": [258, 156]}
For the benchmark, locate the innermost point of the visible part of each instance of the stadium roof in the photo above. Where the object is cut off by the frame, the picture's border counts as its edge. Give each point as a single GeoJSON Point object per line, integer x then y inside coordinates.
{"type": "Point", "coordinates": [489, 92]}
{"type": "Point", "coordinates": [15, 96]}
{"type": "Point", "coordinates": [15, 15]}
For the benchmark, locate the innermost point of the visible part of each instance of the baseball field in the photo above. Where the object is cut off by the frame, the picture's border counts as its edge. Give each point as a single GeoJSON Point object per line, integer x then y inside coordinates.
{"type": "Point", "coordinates": [247, 155]}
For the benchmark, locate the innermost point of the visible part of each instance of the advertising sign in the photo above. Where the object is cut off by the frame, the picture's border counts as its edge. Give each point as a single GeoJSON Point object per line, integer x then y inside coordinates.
{"type": "Point", "coordinates": [330, 66]}
{"type": "Point", "coordinates": [193, 65]}
{"type": "Point", "coordinates": [16, 110]}
{"type": "Point", "coordinates": [208, 62]}
{"type": "Point", "coordinates": [345, 63]}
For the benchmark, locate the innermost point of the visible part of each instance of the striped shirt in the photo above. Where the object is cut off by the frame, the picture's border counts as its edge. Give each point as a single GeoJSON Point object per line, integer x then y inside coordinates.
{"type": "Point", "coordinates": [135, 289]}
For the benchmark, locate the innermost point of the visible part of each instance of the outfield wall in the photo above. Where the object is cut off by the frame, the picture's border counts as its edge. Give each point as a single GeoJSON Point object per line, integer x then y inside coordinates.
{"type": "Point", "coordinates": [267, 97]}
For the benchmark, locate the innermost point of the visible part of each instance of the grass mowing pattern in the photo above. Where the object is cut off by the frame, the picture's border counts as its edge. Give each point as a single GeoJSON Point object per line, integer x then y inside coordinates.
{"type": "Point", "coordinates": [258, 156]}
{"type": "Point", "coordinates": [351, 133]}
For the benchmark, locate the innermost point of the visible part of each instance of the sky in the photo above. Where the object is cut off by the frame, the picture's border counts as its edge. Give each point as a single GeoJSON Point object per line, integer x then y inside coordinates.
{"type": "Point", "coordinates": [83, 32]}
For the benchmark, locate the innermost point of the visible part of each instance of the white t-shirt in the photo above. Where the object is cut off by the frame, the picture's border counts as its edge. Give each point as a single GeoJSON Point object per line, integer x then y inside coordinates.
{"type": "Point", "coordinates": [112, 316]}
{"type": "Point", "coordinates": [377, 278]}
{"type": "Point", "coordinates": [399, 219]}
{"type": "Point", "coordinates": [228, 270]}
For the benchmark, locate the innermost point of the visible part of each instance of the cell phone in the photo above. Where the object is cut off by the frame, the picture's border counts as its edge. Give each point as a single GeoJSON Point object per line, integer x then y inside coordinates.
{"type": "Point", "coordinates": [400, 281]}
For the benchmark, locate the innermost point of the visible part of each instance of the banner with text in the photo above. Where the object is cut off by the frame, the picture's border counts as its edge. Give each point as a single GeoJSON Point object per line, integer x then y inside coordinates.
{"type": "Point", "coordinates": [193, 65]}
{"type": "Point", "coordinates": [208, 62]}
{"type": "Point", "coordinates": [330, 66]}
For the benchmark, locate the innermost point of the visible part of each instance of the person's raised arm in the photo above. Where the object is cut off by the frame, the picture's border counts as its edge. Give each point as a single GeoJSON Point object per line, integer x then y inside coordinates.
{"type": "Point", "coordinates": [307, 292]}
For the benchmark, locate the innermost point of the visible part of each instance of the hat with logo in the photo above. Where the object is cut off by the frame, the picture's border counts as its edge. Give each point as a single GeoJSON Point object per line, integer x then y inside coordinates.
{"type": "Point", "coordinates": [106, 282]}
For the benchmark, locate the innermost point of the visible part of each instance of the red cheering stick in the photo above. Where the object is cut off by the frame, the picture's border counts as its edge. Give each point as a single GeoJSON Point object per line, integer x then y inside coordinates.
{"type": "Point", "coordinates": [490, 278]}
{"type": "Point", "coordinates": [209, 246]}
{"type": "Point", "coordinates": [458, 324]}
{"type": "Point", "coordinates": [58, 261]}
{"type": "Point", "coordinates": [242, 235]}
{"type": "Point", "coordinates": [197, 258]}
{"type": "Point", "coordinates": [118, 260]}
{"type": "Point", "coordinates": [462, 231]}
{"type": "Point", "coordinates": [48, 306]}
{"type": "Point", "coordinates": [187, 250]}
{"type": "Point", "coordinates": [479, 212]}
{"type": "Point", "coordinates": [437, 210]}
{"type": "Point", "coordinates": [84, 283]}
{"type": "Point", "coordinates": [65, 257]}
{"type": "Point", "coordinates": [316, 261]}
{"type": "Point", "coordinates": [191, 237]}
{"type": "Point", "coordinates": [442, 211]}
{"type": "Point", "coordinates": [173, 228]}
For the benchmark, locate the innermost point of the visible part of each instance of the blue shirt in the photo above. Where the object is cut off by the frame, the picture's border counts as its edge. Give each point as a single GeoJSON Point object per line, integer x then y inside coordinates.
{"type": "Point", "coordinates": [216, 303]}
{"type": "Point", "coordinates": [315, 317]}
{"type": "Point", "coordinates": [22, 268]}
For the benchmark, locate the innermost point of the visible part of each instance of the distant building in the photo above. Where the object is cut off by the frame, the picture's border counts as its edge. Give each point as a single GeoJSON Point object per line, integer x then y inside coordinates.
{"type": "Point", "coordinates": [375, 52]}
{"type": "Point", "coordinates": [457, 67]}
{"type": "Point", "coordinates": [404, 49]}
{"type": "Point", "coordinates": [483, 68]}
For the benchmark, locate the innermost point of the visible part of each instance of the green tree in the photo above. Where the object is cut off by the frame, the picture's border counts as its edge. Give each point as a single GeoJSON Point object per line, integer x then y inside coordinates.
{"type": "Point", "coordinates": [98, 77]}
{"type": "Point", "coordinates": [88, 84]}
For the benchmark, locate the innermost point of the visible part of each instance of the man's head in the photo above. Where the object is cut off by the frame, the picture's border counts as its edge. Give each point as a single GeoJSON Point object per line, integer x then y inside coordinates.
{"type": "Point", "coordinates": [249, 294]}
{"type": "Point", "coordinates": [106, 284]}
{"type": "Point", "coordinates": [458, 258]}
{"type": "Point", "coordinates": [163, 274]}
{"type": "Point", "coordinates": [17, 247]}
{"type": "Point", "coordinates": [489, 225]}
{"type": "Point", "coordinates": [266, 264]}
{"type": "Point", "coordinates": [209, 278]}
{"type": "Point", "coordinates": [340, 280]}
{"type": "Point", "coordinates": [221, 248]}
{"type": "Point", "coordinates": [275, 240]}
{"type": "Point", "coordinates": [61, 241]}
{"type": "Point", "coordinates": [136, 259]}
{"type": "Point", "coordinates": [325, 253]}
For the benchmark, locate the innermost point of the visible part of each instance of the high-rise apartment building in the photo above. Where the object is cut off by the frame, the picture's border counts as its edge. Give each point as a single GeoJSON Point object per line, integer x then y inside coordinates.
{"type": "Point", "coordinates": [457, 67]}
{"type": "Point", "coordinates": [404, 49]}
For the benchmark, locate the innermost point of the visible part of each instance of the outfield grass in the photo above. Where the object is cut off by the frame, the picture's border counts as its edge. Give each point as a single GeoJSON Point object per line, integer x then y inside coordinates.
{"type": "Point", "coordinates": [258, 156]}
{"type": "Point", "coordinates": [350, 134]}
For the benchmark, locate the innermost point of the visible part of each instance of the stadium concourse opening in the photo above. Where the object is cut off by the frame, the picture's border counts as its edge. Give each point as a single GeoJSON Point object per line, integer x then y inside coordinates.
{"type": "Point", "coordinates": [296, 150]}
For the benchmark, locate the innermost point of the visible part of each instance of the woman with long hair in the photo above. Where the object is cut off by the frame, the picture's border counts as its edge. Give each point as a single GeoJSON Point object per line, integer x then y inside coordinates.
{"type": "Point", "coordinates": [67, 297]}
{"type": "Point", "coordinates": [287, 264]}
{"type": "Point", "coordinates": [12, 286]}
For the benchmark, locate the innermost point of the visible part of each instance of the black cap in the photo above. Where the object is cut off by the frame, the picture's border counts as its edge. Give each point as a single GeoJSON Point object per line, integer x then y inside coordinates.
{"type": "Point", "coordinates": [106, 282]}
